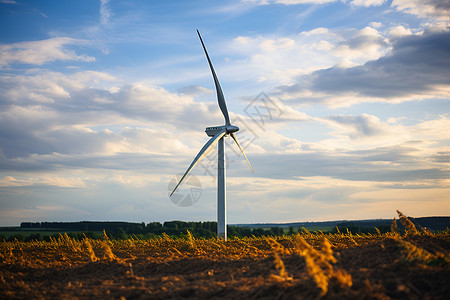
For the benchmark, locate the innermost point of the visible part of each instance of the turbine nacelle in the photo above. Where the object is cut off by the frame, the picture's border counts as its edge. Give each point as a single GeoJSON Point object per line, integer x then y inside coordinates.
{"type": "Point", "coordinates": [212, 131]}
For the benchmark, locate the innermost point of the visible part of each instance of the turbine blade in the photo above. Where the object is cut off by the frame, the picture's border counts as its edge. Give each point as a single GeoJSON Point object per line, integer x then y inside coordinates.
{"type": "Point", "coordinates": [220, 97]}
{"type": "Point", "coordinates": [235, 139]}
{"type": "Point", "coordinates": [205, 150]}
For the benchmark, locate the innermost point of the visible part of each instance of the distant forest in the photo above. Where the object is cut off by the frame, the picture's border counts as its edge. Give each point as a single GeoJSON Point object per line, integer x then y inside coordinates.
{"type": "Point", "coordinates": [123, 230]}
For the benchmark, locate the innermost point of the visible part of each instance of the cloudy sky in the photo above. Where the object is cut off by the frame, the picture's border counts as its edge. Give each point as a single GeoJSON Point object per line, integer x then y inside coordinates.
{"type": "Point", "coordinates": [343, 108]}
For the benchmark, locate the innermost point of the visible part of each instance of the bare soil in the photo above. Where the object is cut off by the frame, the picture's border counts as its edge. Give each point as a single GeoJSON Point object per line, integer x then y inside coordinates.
{"type": "Point", "coordinates": [380, 268]}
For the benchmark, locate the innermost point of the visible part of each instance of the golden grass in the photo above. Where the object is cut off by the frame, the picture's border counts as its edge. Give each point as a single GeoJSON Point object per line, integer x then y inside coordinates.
{"type": "Point", "coordinates": [410, 228]}
{"type": "Point", "coordinates": [90, 250]}
{"type": "Point", "coordinates": [317, 249]}
{"type": "Point", "coordinates": [319, 264]}
{"type": "Point", "coordinates": [279, 264]}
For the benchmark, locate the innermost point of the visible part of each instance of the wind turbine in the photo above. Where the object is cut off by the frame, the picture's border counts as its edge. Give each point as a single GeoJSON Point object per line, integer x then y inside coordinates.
{"type": "Point", "coordinates": [217, 134]}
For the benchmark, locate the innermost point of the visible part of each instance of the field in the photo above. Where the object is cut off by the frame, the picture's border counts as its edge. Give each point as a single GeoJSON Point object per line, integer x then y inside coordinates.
{"type": "Point", "coordinates": [306, 266]}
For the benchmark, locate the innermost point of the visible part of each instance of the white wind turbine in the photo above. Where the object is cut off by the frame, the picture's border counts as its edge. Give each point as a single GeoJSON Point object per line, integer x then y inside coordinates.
{"type": "Point", "coordinates": [217, 134]}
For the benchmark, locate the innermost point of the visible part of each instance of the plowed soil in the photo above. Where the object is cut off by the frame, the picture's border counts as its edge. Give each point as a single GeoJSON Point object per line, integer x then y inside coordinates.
{"type": "Point", "coordinates": [415, 267]}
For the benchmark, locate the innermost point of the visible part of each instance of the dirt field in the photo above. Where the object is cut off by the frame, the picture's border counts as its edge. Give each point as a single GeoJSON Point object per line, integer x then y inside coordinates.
{"type": "Point", "coordinates": [297, 267]}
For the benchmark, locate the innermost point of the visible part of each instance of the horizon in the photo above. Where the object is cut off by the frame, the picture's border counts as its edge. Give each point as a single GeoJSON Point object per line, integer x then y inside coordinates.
{"type": "Point", "coordinates": [231, 224]}
{"type": "Point", "coordinates": [343, 107]}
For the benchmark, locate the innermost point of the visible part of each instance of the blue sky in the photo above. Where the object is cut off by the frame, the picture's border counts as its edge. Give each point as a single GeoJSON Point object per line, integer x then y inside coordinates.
{"type": "Point", "coordinates": [343, 108]}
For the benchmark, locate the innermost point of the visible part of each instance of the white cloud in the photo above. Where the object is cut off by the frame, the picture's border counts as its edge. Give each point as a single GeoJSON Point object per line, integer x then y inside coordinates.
{"type": "Point", "coordinates": [194, 90]}
{"type": "Point", "coordinates": [279, 60]}
{"type": "Point", "coordinates": [365, 44]}
{"type": "Point", "coordinates": [363, 126]}
{"type": "Point", "coordinates": [108, 140]}
{"type": "Point", "coordinates": [415, 68]}
{"type": "Point", "coordinates": [439, 9]}
{"type": "Point", "coordinates": [388, 139]}
{"type": "Point", "coordinates": [144, 127]}
{"type": "Point", "coordinates": [367, 3]}
{"type": "Point", "coordinates": [42, 86]}
{"type": "Point", "coordinates": [256, 2]}
{"type": "Point", "coordinates": [287, 2]}
{"type": "Point", "coordinates": [375, 24]}
{"type": "Point", "coordinates": [47, 112]}
{"type": "Point", "coordinates": [43, 180]}
{"type": "Point", "coordinates": [293, 2]}
{"type": "Point", "coordinates": [399, 31]}
{"type": "Point", "coordinates": [434, 130]}
{"type": "Point", "coordinates": [41, 52]}
{"type": "Point", "coordinates": [145, 141]}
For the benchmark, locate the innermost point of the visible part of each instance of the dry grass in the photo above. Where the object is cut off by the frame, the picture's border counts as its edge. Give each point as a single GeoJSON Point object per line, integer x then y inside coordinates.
{"type": "Point", "coordinates": [337, 265]}
{"type": "Point", "coordinates": [90, 250]}
{"type": "Point", "coordinates": [410, 228]}
{"type": "Point", "coordinates": [279, 264]}
{"type": "Point", "coordinates": [320, 264]}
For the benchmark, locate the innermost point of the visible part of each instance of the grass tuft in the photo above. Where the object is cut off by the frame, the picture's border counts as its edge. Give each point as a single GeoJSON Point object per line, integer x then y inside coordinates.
{"type": "Point", "coordinates": [279, 264]}
{"type": "Point", "coordinates": [319, 264]}
{"type": "Point", "coordinates": [410, 228]}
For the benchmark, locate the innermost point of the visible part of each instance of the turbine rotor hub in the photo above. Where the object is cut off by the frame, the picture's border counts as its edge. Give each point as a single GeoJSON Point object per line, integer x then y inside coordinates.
{"type": "Point", "coordinates": [231, 128]}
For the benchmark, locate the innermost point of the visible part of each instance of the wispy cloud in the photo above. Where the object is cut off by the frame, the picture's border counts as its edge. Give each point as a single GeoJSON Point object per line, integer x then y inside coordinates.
{"type": "Point", "coordinates": [105, 12]}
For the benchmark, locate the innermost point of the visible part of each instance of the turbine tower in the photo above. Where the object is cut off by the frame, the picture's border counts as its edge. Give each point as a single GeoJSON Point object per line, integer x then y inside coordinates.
{"type": "Point", "coordinates": [217, 134]}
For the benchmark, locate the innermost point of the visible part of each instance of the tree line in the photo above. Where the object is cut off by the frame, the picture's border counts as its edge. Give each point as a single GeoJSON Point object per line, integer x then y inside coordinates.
{"type": "Point", "coordinates": [208, 229]}
{"type": "Point", "coordinates": [123, 230]}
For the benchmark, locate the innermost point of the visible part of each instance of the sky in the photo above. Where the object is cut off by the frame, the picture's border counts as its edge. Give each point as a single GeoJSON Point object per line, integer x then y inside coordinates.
{"type": "Point", "coordinates": [343, 108]}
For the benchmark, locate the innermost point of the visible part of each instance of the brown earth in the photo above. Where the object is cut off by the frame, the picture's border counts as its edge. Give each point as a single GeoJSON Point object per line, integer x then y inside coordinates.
{"type": "Point", "coordinates": [383, 267]}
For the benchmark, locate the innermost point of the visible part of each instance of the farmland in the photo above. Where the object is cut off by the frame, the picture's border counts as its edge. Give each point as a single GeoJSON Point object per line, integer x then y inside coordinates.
{"type": "Point", "coordinates": [412, 265]}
